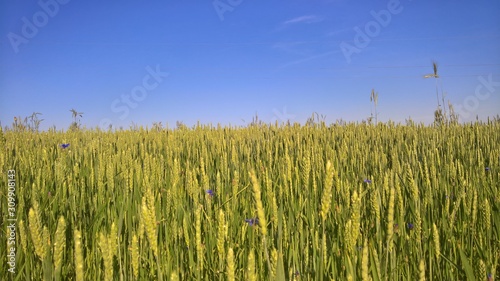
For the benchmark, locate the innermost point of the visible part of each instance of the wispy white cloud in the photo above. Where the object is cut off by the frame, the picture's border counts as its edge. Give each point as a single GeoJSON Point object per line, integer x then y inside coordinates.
{"type": "Point", "coordinates": [304, 19]}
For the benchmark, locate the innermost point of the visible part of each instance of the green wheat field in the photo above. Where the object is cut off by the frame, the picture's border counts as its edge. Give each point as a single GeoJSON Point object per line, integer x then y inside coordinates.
{"type": "Point", "coordinates": [264, 202]}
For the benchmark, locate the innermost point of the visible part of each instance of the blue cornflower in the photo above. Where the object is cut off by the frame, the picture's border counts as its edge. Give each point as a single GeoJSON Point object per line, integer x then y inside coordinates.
{"type": "Point", "coordinates": [210, 192]}
{"type": "Point", "coordinates": [490, 277]}
{"type": "Point", "coordinates": [252, 222]}
{"type": "Point", "coordinates": [367, 181]}
{"type": "Point", "coordinates": [410, 226]}
{"type": "Point", "coordinates": [65, 145]}
{"type": "Point", "coordinates": [487, 169]}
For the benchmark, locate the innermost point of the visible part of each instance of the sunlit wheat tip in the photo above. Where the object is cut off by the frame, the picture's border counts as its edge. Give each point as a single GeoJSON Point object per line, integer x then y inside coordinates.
{"type": "Point", "coordinates": [230, 265]}
{"type": "Point", "coordinates": [59, 243]}
{"type": "Point", "coordinates": [78, 256]}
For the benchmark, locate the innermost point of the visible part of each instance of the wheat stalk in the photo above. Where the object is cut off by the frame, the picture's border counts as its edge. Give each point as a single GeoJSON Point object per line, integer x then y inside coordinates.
{"type": "Point", "coordinates": [106, 256]}
{"type": "Point", "coordinates": [35, 227]}
{"type": "Point", "coordinates": [421, 270]}
{"type": "Point", "coordinates": [435, 236]}
{"type": "Point", "coordinates": [355, 217]}
{"type": "Point", "coordinates": [78, 256]}
{"type": "Point", "coordinates": [23, 236]}
{"type": "Point", "coordinates": [390, 220]}
{"type": "Point", "coordinates": [250, 274]}
{"type": "Point", "coordinates": [364, 262]}
{"type": "Point", "coordinates": [258, 202]}
{"type": "Point", "coordinates": [134, 252]}
{"type": "Point", "coordinates": [59, 244]}
{"type": "Point", "coordinates": [230, 265]}
{"type": "Point", "coordinates": [221, 235]}
{"type": "Point", "coordinates": [327, 192]}
{"type": "Point", "coordinates": [149, 218]}
{"type": "Point", "coordinates": [199, 244]}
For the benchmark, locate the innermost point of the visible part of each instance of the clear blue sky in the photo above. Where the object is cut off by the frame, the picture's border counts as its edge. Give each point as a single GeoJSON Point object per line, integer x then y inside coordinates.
{"type": "Point", "coordinates": [228, 60]}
